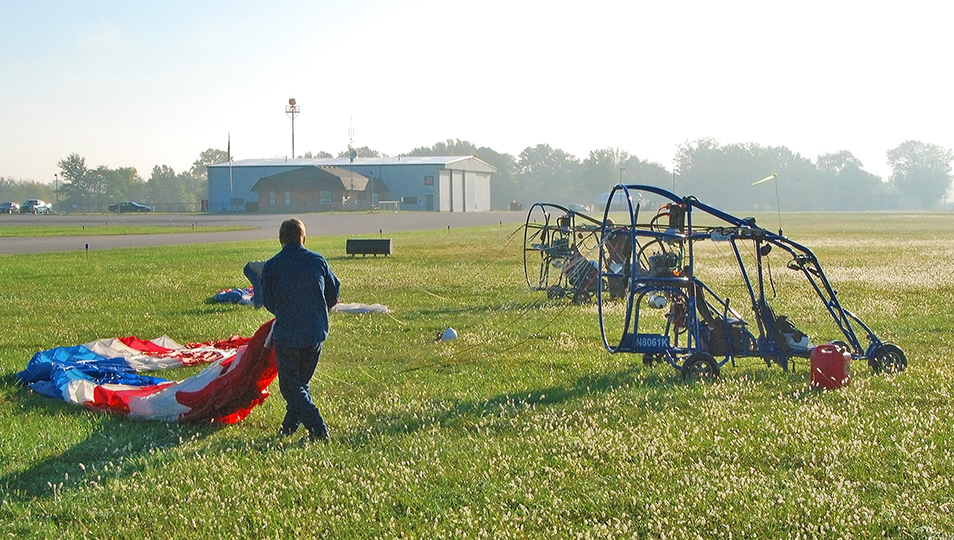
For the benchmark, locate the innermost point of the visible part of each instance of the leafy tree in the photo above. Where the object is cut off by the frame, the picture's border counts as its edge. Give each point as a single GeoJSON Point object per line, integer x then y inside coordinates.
{"type": "Point", "coordinates": [695, 163]}
{"type": "Point", "coordinates": [212, 156]}
{"type": "Point", "coordinates": [86, 188]}
{"type": "Point", "coordinates": [601, 171]}
{"type": "Point", "coordinates": [73, 168]}
{"type": "Point", "coordinates": [196, 187]}
{"type": "Point", "coordinates": [547, 174]}
{"type": "Point", "coordinates": [318, 155]}
{"type": "Point", "coordinates": [75, 188]}
{"type": "Point", "coordinates": [848, 185]}
{"type": "Point", "coordinates": [21, 190]}
{"type": "Point", "coordinates": [451, 147]}
{"type": "Point", "coordinates": [607, 167]}
{"type": "Point", "coordinates": [800, 187]}
{"type": "Point", "coordinates": [921, 170]}
{"type": "Point", "coordinates": [834, 163]}
{"type": "Point", "coordinates": [98, 182]}
{"type": "Point", "coordinates": [94, 189]}
{"type": "Point", "coordinates": [364, 151]}
{"type": "Point", "coordinates": [170, 191]}
{"type": "Point", "coordinates": [639, 171]}
{"type": "Point", "coordinates": [124, 183]}
{"type": "Point", "coordinates": [722, 175]}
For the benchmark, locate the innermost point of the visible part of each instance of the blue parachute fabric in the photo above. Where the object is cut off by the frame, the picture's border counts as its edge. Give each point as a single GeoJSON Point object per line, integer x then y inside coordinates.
{"type": "Point", "coordinates": [104, 375]}
{"type": "Point", "coordinates": [235, 296]}
{"type": "Point", "coordinates": [253, 271]}
{"type": "Point", "coordinates": [48, 370]}
{"type": "Point", "coordinates": [41, 364]}
{"type": "Point", "coordinates": [63, 374]}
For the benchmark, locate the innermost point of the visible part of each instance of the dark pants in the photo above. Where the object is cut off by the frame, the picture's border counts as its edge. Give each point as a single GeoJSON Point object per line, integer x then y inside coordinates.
{"type": "Point", "coordinates": [295, 368]}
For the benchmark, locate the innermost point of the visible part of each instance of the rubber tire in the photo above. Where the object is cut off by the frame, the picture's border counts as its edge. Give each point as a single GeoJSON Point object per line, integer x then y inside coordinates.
{"type": "Point", "coordinates": [700, 367]}
{"type": "Point", "coordinates": [888, 358]}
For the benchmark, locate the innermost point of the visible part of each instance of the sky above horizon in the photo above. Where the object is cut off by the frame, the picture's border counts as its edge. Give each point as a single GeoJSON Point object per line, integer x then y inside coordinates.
{"type": "Point", "coordinates": [140, 84]}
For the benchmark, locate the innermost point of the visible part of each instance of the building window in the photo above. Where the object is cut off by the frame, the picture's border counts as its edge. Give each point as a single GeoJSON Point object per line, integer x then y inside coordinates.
{"type": "Point", "coordinates": [408, 200]}
{"type": "Point", "coordinates": [428, 180]}
{"type": "Point", "coordinates": [271, 198]}
{"type": "Point", "coordinates": [288, 198]}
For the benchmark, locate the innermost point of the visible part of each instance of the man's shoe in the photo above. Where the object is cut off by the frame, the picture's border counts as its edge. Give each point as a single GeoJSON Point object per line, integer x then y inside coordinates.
{"type": "Point", "coordinates": [284, 431]}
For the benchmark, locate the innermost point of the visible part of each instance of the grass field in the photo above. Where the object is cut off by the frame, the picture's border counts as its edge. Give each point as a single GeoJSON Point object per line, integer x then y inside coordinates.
{"type": "Point", "coordinates": [525, 427]}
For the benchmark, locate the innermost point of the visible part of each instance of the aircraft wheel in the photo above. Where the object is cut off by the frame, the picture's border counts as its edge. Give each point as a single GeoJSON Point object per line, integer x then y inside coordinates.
{"type": "Point", "coordinates": [700, 367]}
{"type": "Point", "coordinates": [888, 358]}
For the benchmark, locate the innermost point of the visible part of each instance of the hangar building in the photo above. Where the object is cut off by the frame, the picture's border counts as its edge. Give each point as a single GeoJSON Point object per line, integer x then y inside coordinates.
{"type": "Point", "coordinates": [431, 183]}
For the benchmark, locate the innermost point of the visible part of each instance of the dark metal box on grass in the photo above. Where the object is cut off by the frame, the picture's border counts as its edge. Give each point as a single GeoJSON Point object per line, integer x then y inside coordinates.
{"type": "Point", "coordinates": [369, 246]}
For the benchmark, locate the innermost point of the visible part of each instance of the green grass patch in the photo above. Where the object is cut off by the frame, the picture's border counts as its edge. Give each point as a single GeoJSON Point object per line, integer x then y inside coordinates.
{"type": "Point", "coordinates": [524, 427]}
{"type": "Point", "coordinates": [29, 231]}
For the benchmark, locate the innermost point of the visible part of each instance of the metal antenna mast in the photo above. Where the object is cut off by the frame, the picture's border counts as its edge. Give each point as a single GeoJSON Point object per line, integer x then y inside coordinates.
{"type": "Point", "coordinates": [350, 135]}
{"type": "Point", "coordinates": [292, 110]}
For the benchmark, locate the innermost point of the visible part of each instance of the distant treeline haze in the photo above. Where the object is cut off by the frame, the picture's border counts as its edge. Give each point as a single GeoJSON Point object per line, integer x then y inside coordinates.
{"type": "Point", "coordinates": [718, 174]}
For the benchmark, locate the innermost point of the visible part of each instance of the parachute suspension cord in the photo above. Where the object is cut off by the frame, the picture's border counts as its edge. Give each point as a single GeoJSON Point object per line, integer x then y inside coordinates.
{"type": "Point", "coordinates": [508, 239]}
{"type": "Point", "coordinates": [467, 354]}
{"type": "Point", "coordinates": [463, 358]}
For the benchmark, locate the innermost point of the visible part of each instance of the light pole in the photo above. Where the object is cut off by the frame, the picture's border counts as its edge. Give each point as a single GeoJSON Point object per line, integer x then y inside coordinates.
{"type": "Point", "coordinates": [621, 169]}
{"type": "Point", "coordinates": [56, 190]}
{"type": "Point", "coordinates": [292, 110]}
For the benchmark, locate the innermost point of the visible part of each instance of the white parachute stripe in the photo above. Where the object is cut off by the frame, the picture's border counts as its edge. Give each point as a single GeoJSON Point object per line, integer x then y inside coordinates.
{"type": "Point", "coordinates": [167, 342]}
{"type": "Point", "coordinates": [112, 348]}
{"type": "Point", "coordinates": [148, 406]}
{"type": "Point", "coordinates": [358, 308]}
{"type": "Point", "coordinates": [140, 362]}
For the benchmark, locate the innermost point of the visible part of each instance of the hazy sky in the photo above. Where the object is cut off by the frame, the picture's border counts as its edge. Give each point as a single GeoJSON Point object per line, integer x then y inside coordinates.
{"type": "Point", "coordinates": [128, 83]}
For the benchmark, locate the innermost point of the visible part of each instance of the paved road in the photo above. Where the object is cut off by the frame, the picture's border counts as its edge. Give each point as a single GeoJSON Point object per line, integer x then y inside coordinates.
{"type": "Point", "coordinates": [265, 227]}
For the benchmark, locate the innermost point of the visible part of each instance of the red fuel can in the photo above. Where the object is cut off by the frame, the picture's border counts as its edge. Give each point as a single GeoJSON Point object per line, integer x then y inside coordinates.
{"type": "Point", "coordinates": [830, 365]}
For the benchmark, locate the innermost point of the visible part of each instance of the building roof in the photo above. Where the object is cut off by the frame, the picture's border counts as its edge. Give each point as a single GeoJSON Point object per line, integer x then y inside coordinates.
{"type": "Point", "coordinates": [315, 178]}
{"type": "Point", "coordinates": [353, 181]}
{"type": "Point", "coordinates": [466, 163]}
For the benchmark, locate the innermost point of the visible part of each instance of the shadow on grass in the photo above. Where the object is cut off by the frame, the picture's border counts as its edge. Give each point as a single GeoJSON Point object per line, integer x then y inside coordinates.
{"type": "Point", "coordinates": [660, 385]}
{"type": "Point", "coordinates": [211, 307]}
{"type": "Point", "coordinates": [356, 258]}
{"type": "Point", "coordinates": [536, 314]}
{"type": "Point", "coordinates": [10, 379]}
{"type": "Point", "coordinates": [115, 449]}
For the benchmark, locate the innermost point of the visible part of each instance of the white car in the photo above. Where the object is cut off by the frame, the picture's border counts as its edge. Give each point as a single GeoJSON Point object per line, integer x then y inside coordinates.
{"type": "Point", "coordinates": [36, 206]}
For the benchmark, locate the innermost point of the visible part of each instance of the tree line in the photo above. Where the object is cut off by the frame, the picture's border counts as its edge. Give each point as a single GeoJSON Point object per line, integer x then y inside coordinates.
{"type": "Point", "coordinates": [719, 174]}
{"type": "Point", "coordinates": [86, 189]}
{"type": "Point", "coordinates": [80, 188]}
{"type": "Point", "coordinates": [20, 190]}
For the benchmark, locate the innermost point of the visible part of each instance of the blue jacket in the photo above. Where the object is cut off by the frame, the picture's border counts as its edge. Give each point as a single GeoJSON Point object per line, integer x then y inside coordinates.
{"type": "Point", "coordinates": [298, 287]}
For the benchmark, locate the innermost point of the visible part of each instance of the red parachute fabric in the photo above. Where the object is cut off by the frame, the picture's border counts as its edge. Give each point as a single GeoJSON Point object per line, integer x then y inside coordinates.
{"type": "Point", "coordinates": [225, 392]}
{"type": "Point", "coordinates": [142, 345]}
{"type": "Point", "coordinates": [232, 396]}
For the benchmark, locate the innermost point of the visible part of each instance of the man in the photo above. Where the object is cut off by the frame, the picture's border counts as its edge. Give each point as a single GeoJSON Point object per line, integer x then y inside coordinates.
{"type": "Point", "coordinates": [299, 288]}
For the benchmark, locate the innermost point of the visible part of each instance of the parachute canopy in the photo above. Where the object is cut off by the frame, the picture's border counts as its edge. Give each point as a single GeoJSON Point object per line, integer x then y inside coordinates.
{"type": "Point", "coordinates": [106, 375]}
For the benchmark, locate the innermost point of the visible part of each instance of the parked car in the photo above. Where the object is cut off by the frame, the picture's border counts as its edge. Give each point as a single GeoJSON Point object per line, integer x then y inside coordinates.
{"type": "Point", "coordinates": [36, 206]}
{"type": "Point", "coordinates": [129, 206]}
{"type": "Point", "coordinates": [9, 208]}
